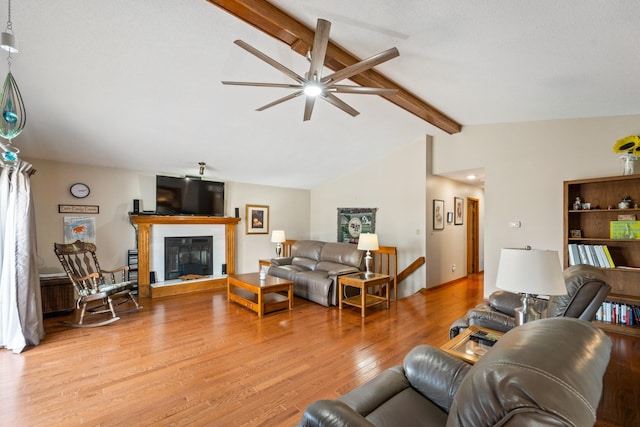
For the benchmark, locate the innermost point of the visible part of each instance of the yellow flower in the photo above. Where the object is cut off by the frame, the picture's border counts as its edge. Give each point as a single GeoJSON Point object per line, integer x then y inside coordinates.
{"type": "Point", "coordinates": [630, 144]}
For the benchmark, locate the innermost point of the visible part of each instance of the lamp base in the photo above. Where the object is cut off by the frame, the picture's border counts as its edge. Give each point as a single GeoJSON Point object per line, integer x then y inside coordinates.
{"type": "Point", "coordinates": [278, 250]}
{"type": "Point", "coordinates": [367, 261]}
{"type": "Point", "coordinates": [526, 312]}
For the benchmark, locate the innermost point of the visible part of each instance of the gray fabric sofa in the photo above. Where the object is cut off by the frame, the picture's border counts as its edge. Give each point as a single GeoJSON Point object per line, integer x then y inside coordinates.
{"type": "Point", "coordinates": [314, 267]}
{"type": "Point", "coordinates": [547, 372]}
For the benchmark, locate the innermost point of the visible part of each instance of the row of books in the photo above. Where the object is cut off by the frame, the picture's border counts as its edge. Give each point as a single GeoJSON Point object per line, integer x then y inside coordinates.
{"type": "Point", "coordinates": [619, 314]}
{"type": "Point", "coordinates": [596, 255]}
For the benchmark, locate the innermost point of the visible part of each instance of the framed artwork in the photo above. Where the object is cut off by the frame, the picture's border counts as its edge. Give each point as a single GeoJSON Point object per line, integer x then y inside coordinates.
{"type": "Point", "coordinates": [438, 214]}
{"type": "Point", "coordinates": [353, 221]}
{"type": "Point", "coordinates": [257, 219]}
{"type": "Point", "coordinates": [81, 228]}
{"type": "Point", "coordinates": [458, 211]}
{"type": "Point", "coordinates": [449, 217]}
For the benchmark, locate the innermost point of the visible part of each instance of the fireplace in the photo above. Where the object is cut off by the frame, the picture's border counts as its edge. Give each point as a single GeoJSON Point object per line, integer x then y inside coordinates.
{"type": "Point", "coordinates": [188, 255]}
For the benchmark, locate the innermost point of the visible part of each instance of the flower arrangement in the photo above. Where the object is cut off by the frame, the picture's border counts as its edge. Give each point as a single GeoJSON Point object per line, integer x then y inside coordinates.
{"type": "Point", "coordinates": [628, 145]}
{"type": "Point", "coordinates": [630, 149]}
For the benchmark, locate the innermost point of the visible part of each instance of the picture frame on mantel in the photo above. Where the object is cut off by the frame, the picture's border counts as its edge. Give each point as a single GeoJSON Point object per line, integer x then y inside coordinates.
{"type": "Point", "coordinates": [257, 219]}
{"type": "Point", "coordinates": [458, 210]}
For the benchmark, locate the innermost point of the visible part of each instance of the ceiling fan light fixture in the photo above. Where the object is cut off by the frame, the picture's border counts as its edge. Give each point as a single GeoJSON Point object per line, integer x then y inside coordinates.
{"type": "Point", "coordinates": [313, 84]}
{"type": "Point", "coordinates": [312, 89]}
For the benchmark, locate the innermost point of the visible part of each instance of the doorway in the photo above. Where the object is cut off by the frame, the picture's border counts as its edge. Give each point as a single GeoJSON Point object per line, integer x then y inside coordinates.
{"type": "Point", "coordinates": [473, 235]}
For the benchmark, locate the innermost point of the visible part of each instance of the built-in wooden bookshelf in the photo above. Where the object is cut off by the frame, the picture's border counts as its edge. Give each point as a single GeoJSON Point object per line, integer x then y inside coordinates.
{"type": "Point", "coordinates": [603, 195]}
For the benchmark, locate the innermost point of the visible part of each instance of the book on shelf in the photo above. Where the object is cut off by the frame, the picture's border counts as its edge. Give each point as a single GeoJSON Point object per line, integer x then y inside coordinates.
{"type": "Point", "coordinates": [618, 313]}
{"type": "Point", "coordinates": [608, 255]}
{"type": "Point", "coordinates": [624, 229]}
{"type": "Point", "coordinates": [596, 255]}
{"type": "Point", "coordinates": [590, 256]}
{"type": "Point", "coordinates": [574, 256]}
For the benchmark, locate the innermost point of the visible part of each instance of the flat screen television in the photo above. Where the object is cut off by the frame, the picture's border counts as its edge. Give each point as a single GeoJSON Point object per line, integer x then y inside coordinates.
{"type": "Point", "coordinates": [189, 196]}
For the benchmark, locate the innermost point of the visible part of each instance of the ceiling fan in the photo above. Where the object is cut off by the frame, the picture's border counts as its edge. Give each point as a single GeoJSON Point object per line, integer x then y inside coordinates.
{"type": "Point", "coordinates": [313, 85]}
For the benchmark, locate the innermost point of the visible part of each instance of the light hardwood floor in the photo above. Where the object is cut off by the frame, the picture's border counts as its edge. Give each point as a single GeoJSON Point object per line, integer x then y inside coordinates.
{"type": "Point", "coordinates": [200, 360]}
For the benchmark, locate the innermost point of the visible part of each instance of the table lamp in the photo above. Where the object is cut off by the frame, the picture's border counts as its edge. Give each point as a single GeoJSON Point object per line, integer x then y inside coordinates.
{"type": "Point", "coordinates": [368, 242]}
{"type": "Point", "coordinates": [278, 237]}
{"type": "Point", "coordinates": [530, 272]}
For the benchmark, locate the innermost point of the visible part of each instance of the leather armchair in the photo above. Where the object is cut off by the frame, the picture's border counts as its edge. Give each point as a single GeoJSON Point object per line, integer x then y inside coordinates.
{"type": "Point", "coordinates": [587, 288]}
{"type": "Point", "coordinates": [559, 383]}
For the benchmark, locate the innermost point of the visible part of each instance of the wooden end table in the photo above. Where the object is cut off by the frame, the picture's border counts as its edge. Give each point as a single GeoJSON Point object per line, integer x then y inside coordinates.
{"type": "Point", "coordinates": [261, 296]}
{"type": "Point", "coordinates": [363, 281]}
{"type": "Point", "coordinates": [466, 349]}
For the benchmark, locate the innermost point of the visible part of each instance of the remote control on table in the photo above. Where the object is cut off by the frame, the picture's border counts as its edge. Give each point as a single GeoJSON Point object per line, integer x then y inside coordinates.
{"type": "Point", "coordinates": [483, 338]}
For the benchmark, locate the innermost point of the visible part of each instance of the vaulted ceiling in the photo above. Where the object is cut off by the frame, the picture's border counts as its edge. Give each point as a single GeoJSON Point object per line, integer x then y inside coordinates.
{"type": "Point", "coordinates": [137, 85]}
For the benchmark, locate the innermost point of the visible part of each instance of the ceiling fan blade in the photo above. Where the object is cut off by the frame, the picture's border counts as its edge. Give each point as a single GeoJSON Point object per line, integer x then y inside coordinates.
{"type": "Point", "coordinates": [319, 50]}
{"type": "Point", "coordinates": [308, 107]}
{"type": "Point", "coordinates": [270, 61]}
{"type": "Point", "coordinates": [361, 66]}
{"type": "Point", "coordinates": [281, 100]}
{"type": "Point", "coordinates": [284, 85]}
{"type": "Point", "coordinates": [332, 99]}
{"type": "Point", "coordinates": [362, 90]}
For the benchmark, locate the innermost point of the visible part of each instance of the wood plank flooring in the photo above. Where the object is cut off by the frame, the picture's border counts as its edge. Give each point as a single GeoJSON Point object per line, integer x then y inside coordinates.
{"type": "Point", "coordinates": [199, 360]}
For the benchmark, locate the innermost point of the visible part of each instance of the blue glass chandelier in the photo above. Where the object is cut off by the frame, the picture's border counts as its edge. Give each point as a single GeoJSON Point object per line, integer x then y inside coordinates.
{"type": "Point", "coordinates": [13, 114]}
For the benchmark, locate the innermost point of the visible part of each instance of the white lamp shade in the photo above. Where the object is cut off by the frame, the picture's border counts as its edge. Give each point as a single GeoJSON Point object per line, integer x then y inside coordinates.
{"type": "Point", "coordinates": [368, 242]}
{"type": "Point", "coordinates": [277, 236]}
{"type": "Point", "coordinates": [531, 271]}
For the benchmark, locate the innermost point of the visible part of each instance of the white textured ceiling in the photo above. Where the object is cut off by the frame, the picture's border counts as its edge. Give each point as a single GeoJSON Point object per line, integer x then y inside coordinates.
{"type": "Point", "coordinates": [136, 84]}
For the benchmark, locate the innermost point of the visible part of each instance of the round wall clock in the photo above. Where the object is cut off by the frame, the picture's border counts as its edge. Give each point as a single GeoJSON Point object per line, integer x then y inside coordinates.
{"type": "Point", "coordinates": [79, 190]}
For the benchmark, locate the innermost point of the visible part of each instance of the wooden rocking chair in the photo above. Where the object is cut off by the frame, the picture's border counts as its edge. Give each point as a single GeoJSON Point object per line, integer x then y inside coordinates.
{"type": "Point", "coordinates": [96, 290]}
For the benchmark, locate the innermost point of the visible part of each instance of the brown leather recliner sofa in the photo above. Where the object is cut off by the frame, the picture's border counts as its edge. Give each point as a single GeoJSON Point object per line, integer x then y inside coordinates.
{"type": "Point", "coordinates": [314, 267]}
{"type": "Point", "coordinates": [586, 286]}
{"type": "Point", "coordinates": [546, 372]}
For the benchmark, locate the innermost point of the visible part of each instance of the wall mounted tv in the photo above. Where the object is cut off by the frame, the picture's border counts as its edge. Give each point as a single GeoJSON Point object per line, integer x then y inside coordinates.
{"type": "Point", "coordinates": [189, 196]}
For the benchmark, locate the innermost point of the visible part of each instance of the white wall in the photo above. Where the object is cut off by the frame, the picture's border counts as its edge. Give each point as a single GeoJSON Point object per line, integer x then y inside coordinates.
{"type": "Point", "coordinates": [525, 166]}
{"type": "Point", "coordinates": [113, 190]}
{"type": "Point", "coordinates": [288, 211]}
{"type": "Point", "coordinates": [394, 185]}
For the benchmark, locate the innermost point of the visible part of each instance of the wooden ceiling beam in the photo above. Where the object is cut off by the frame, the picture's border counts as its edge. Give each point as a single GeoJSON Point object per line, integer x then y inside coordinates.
{"type": "Point", "coordinates": [267, 18]}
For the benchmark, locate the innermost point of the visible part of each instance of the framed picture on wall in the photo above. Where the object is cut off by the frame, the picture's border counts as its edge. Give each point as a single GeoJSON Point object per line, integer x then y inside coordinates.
{"type": "Point", "coordinates": [438, 214]}
{"type": "Point", "coordinates": [458, 211]}
{"type": "Point", "coordinates": [257, 219]}
{"type": "Point", "coordinates": [353, 221]}
{"type": "Point", "coordinates": [81, 228]}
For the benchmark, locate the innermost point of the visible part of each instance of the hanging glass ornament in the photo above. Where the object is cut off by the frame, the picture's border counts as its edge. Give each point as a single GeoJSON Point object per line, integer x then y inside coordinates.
{"type": "Point", "coordinates": [14, 115]}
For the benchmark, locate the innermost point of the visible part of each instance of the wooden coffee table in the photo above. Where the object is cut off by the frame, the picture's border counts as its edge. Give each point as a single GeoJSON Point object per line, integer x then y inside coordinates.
{"type": "Point", "coordinates": [261, 296]}
{"type": "Point", "coordinates": [466, 349]}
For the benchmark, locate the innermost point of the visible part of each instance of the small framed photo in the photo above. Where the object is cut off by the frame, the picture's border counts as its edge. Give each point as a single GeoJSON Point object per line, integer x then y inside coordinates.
{"type": "Point", "coordinates": [449, 217]}
{"type": "Point", "coordinates": [458, 204]}
{"type": "Point", "coordinates": [576, 233]}
{"type": "Point", "coordinates": [257, 219]}
{"type": "Point", "coordinates": [438, 214]}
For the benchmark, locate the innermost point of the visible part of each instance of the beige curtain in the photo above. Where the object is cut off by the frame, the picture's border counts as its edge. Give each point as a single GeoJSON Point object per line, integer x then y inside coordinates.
{"type": "Point", "coordinates": [20, 303]}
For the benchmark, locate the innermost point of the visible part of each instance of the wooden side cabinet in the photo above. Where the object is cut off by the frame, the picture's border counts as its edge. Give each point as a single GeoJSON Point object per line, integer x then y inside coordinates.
{"type": "Point", "coordinates": [57, 295]}
{"type": "Point", "coordinates": [592, 227]}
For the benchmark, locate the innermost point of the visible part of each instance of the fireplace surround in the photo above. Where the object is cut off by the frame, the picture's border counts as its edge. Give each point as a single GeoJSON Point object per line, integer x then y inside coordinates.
{"type": "Point", "coordinates": [144, 224]}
